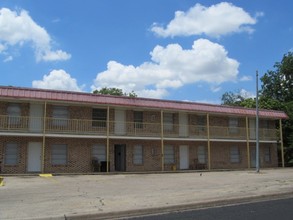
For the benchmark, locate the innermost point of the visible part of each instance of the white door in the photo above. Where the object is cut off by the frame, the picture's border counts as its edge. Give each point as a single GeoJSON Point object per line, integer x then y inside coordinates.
{"type": "Point", "coordinates": [252, 129]}
{"type": "Point", "coordinates": [36, 117]}
{"type": "Point", "coordinates": [34, 163]}
{"type": "Point", "coordinates": [119, 122]}
{"type": "Point", "coordinates": [183, 125]}
{"type": "Point", "coordinates": [184, 157]}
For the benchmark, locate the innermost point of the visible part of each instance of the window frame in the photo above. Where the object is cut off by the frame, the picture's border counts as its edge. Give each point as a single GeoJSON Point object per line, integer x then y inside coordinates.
{"type": "Point", "coordinates": [138, 119]}
{"type": "Point", "coordinates": [62, 155]}
{"type": "Point", "coordinates": [233, 125]}
{"type": "Point", "coordinates": [13, 156]}
{"type": "Point", "coordinates": [235, 154]}
{"type": "Point", "coordinates": [137, 154]}
{"type": "Point", "coordinates": [14, 113]}
{"type": "Point", "coordinates": [169, 154]}
{"type": "Point", "coordinates": [168, 121]}
{"type": "Point", "coordinates": [267, 154]}
{"type": "Point", "coordinates": [201, 122]}
{"type": "Point", "coordinates": [201, 154]}
{"type": "Point", "coordinates": [99, 117]}
{"type": "Point", "coordinates": [99, 152]}
{"type": "Point", "coordinates": [60, 115]}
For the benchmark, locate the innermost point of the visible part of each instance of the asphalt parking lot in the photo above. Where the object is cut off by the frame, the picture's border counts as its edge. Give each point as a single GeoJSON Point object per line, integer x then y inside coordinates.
{"type": "Point", "coordinates": [109, 196]}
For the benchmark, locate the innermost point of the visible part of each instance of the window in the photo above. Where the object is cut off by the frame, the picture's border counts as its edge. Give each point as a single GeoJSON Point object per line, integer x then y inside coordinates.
{"type": "Point", "coordinates": [233, 125]}
{"type": "Point", "coordinates": [234, 155]}
{"type": "Point", "coordinates": [99, 152]}
{"type": "Point", "coordinates": [169, 157]}
{"type": "Point", "coordinates": [138, 119]}
{"type": "Point", "coordinates": [59, 154]}
{"type": "Point", "coordinates": [99, 117]}
{"type": "Point", "coordinates": [168, 121]}
{"type": "Point", "coordinates": [267, 154]}
{"type": "Point", "coordinates": [201, 154]}
{"type": "Point", "coordinates": [138, 154]}
{"type": "Point", "coordinates": [14, 113]}
{"type": "Point", "coordinates": [11, 154]}
{"type": "Point", "coordinates": [201, 121]}
{"type": "Point", "coordinates": [60, 116]}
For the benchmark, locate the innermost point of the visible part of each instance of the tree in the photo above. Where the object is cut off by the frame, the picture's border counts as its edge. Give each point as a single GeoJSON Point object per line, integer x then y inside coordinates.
{"type": "Point", "coordinates": [236, 99]}
{"type": "Point", "coordinates": [277, 90]}
{"type": "Point", "coordinates": [276, 94]}
{"type": "Point", "coordinates": [278, 83]}
{"type": "Point", "coordinates": [114, 91]}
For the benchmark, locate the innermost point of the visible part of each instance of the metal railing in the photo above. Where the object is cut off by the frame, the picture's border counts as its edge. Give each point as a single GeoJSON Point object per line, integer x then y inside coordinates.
{"type": "Point", "coordinates": [130, 129]}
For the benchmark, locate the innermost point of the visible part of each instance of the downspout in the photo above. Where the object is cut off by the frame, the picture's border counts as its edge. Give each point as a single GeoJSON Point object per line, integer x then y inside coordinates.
{"type": "Point", "coordinates": [209, 142]}
{"type": "Point", "coordinates": [247, 143]}
{"type": "Point", "coordinates": [162, 141]}
{"type": "Point", "coordinates": [44, 138]}
{"type": "Point", "coordinates": [282, 144]}
{"type": "Point", "coordinates": [108, 131]}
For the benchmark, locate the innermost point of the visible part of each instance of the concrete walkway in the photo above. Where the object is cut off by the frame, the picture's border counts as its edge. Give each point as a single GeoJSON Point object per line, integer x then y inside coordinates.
{"type": "Point", "coordinates": [110, 196]}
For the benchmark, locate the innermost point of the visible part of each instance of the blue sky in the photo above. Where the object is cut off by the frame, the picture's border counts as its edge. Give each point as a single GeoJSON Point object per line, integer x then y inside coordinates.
{"type": "Point", "coordinates": [167, 49]}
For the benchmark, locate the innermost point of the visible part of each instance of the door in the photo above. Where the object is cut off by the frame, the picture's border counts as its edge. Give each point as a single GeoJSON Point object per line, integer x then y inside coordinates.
{"type": "Point", "coordinates": [183, 125]}
{"type": "Point", "coordinates": [36, 117]}
{"type": "Point", "coordinates": [120, 156]}
{"type": "Point", "coordinates": [119, 122]}
{"type": "Point", "coordinates": [252, 157]}
{"type": "Point", "coordinates": [252, 128]}
{"type": "Point", "coordinates": [34, 163]}
{"type": "Point", "coordinates": [184, 157]}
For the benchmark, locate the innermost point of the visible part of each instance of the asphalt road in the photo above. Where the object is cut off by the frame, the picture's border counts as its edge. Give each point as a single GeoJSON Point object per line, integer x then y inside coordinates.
{"type": "Point", "coordinates": [281, 209]}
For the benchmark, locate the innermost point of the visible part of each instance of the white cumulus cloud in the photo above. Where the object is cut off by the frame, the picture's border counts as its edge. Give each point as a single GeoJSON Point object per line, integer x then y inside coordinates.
{"type": "Point", "coordinates": [245, 78]}
{"type": "Point", "coordinates": [19, 28]}
{"type": "Point", "coordinates": [59, 80]}
{"type": "Point", "coordinates": [246, 94]}
{"type": "Point", "coordinates": [171, 67]}
{"type": "Point", "coordinates": [216, 20]}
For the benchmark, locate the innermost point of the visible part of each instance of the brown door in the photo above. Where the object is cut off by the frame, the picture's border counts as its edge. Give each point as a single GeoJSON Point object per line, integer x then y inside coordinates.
{"type": "Point", "coordinates": [120, 157]}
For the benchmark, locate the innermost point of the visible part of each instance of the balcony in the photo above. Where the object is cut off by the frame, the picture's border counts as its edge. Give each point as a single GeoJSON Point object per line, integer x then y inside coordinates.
{"type": "Point", "coordinates": [81, 127]}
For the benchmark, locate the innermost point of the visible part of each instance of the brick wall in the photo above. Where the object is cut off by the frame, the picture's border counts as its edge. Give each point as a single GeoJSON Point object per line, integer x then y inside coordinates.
{"type": "Point", "coordinates": [21, 166]}
{"type": "Point", "coordinates": [80, 154]}
{"type": "Point", "coordinates": [80, 149]}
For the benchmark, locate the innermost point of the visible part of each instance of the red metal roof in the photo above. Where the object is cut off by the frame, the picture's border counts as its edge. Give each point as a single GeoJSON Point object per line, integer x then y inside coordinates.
{"type": "Point", "coordinates": [80, 97]}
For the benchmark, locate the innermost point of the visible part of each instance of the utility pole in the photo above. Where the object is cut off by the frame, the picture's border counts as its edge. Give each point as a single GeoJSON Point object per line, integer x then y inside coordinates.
{"type": "Point", "coordinates": [256, 127]}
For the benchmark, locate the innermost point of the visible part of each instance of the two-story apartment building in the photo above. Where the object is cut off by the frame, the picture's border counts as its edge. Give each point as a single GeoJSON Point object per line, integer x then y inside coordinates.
{"type": "Point", "coordinates": [68, 132]}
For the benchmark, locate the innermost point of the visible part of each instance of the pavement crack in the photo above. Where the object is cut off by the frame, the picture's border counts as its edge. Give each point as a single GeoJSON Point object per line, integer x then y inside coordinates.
{"type": "Point", "coordinates": [101, 200]}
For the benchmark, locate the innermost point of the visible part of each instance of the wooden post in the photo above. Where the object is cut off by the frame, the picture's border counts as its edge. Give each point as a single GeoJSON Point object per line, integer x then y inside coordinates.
{"type": "Point", "coordinates": [108, 131]}
{"type": "Point", "coordinates": [209, 142]}
{"type": "Point", "coordinates": [44, 138]}
{"type": "Point", "coordinates": [162, 140]}
{"type": "Point", "coordinates": [247, 143]}
{"type": "Point", "coordinates": [281, 140]}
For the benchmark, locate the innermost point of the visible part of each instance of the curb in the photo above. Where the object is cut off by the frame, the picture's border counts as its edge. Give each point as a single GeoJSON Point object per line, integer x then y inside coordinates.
{"type": "Point", "coordinates": [178, 208]}
{"type": "Point", "coordinates": [1, 181]}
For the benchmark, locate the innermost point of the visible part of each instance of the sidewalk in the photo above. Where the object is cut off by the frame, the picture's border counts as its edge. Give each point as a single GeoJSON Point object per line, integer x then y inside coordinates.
{"type": "Point", "coordinates": [104, 196]}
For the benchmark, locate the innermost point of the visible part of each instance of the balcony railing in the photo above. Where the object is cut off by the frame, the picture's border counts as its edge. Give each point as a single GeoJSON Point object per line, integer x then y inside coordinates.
{"type": "Point", "coordinates": [129, 129]}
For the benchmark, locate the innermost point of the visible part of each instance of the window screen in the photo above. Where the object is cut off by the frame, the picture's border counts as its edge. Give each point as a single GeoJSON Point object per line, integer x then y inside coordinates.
{"type": "Point", "coordinates": [59, 154]}
{"type": "Point", "coordinates": [169, 156]}
{"type": "Point", "coordinates": [60, 116]}
{"type": "Point", "coordinates": [233, 125]}
{"type": "Point", "coordinates": [11, 154]}
{"type": "Point", "coordinates": [99, 117]}
{"type": "Point", "coordinates": [138, 154]}
{"type": "Point", "coordinates": [201, 154]}
{"type": "Point", "coordinates": [234, 155]}
{"type": "Point", "coordinates": [138, 119]}
{"type": "Point", "coordinates": [168, 121]}
{"type": "Point", "coordinates": [14, 113]}
{"type": "Point", "coordinates": [99, 152]}
{"type": "Point", "coordinates": [267, 154]}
